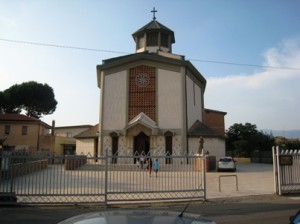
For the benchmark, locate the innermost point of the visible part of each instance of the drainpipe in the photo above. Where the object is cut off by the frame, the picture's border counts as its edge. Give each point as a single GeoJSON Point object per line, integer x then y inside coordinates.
{"type": "Point", "coordinates": [101, 112]}
{"type": "Point", "coordinates": [186, 115]}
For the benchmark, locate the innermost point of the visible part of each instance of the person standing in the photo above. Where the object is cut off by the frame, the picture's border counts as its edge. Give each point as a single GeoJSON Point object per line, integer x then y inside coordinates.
{"type": "Point", "coordinates": [142, 162]}
{"type": "Point", "coordinates": [156, 167]}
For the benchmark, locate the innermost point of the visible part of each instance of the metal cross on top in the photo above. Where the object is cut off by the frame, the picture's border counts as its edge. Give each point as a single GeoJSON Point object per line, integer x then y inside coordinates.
{"type": "Point", "coordinates": [154, 11]}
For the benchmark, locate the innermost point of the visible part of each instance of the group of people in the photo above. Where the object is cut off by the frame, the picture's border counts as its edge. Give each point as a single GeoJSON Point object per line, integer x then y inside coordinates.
{"type": "Point", "coordinates": [150, 165]}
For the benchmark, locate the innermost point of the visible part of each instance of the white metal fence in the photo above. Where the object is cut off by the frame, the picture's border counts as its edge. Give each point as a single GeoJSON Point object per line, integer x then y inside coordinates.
{"type": "Point", "coordinates": [47, 179]}
{"type": "Point", "coordinates": [286, 170]}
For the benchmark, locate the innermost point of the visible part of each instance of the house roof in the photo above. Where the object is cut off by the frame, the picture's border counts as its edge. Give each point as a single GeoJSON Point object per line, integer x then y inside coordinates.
{"type": "Point", "coordinates": [215, 111]}
{"type": "Point", "coordinates": [20, 118]}
{"type": "Point", "coordinates": [74, 126]}
{"type": "Point", "coordinates": [92, 132]}
{"type": "Point", "coordinates": [200, 129]}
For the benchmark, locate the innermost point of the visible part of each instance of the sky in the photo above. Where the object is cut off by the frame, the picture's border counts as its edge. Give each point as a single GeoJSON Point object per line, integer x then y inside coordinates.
{"type": "Point", "coordinates": [222, 39]}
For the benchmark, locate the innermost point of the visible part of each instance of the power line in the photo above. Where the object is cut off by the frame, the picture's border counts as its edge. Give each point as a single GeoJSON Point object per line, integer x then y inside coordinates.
{"type": "Point", "coordinates": [62, 46]}
{"type": "Point", "coordinates": [120, 52]}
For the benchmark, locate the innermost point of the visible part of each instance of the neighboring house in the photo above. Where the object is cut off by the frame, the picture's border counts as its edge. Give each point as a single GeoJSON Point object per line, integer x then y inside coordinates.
{"type": "Point", "coordinates": [70, 131]}
{"type": "Point", "coordinates": [66, 134]}
{"type": "Point", "coordinates": [87, 141]}
{"type": "Point", "coordinates": [21, 132]}
{"type": "Point", "coordinates": [153, 102]}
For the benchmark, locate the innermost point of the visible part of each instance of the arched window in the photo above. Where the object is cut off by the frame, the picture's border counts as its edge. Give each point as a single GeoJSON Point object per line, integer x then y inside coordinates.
{"type": "Point", "coordinates": [114, 146]}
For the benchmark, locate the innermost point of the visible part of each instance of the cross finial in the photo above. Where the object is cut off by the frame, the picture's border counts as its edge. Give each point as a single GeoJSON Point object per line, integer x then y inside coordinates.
{"type": "Point", "coordinates": [154, 11]}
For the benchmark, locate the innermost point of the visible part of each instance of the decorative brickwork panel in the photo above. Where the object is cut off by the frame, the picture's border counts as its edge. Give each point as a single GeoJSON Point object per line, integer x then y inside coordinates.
{"type": "Point", "coordinates": [142, 91]}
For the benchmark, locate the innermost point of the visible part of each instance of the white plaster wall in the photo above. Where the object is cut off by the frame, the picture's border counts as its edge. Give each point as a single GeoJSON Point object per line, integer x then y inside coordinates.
{"type": "Point", "coordinates": [215, 146]}
{"type": "Point", "coordinates": [85, 146]}
{"type": "Point", "coordinates": [169, 99]}
{"type": "Point", "coordinates": [114, 111]}
{"type": "Point", "coordinates": [194, 106]}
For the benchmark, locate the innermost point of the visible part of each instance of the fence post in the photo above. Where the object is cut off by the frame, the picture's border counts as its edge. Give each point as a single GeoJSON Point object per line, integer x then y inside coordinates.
{"type": "Point", "coordinates": [11, 180]}
{"type": "Point", "coordinates": [204, 176]}
{"type": "Point", "coordinates": [275, 172]}
{"type": "Point", "coordinates": [278, 170]}
{"type": "Point", "coordinates": [106, 176]}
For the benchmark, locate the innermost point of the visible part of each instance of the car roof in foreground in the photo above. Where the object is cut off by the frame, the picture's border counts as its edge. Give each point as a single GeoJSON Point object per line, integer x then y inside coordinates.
{"type": "Point", "coordinates": [137, 216]}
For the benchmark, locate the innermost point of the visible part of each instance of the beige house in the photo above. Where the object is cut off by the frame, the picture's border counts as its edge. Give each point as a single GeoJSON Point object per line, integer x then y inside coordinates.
{"type": "Point", "coordinates": [65, 136]}
{"type": "Point", "coordinates": [70, 131]}
{"type": "Point", "coordinates": [87, 141]}
{"type": "Point", "coordinates": [19, 132]}
{"type": "Point", "coordinates": [152, 102]}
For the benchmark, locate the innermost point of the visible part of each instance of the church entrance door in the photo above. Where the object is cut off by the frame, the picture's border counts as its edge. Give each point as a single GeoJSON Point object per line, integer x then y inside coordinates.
{"type": "Point", "coordinates": [141, 144]}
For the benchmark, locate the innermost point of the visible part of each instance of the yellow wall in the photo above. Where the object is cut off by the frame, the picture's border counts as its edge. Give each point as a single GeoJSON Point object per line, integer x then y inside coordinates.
{"type": "Point", "coordinates": [30, 141]}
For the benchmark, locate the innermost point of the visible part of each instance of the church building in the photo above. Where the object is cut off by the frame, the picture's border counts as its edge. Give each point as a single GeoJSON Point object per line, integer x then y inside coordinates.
{"type": "Point", "coordinates": [152, 101]}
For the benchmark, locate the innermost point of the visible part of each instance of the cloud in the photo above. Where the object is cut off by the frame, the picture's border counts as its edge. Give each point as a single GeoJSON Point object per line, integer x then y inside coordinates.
{"type": "Point", "coordinates": [268, 98]}
{"type": "Point", "coordinates": [7, 22]}
{"type": "Point", "coordinates": [286, 55]}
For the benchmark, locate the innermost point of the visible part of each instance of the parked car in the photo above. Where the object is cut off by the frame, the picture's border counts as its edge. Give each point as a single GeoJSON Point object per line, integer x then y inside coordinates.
{"type": "Point", "coordinates": [226, 164]}
{"type": "Point", "coordinates": [136, 217]}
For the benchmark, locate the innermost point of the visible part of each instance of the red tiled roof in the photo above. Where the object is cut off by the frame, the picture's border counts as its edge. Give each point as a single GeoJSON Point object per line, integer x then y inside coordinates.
{"type": "Point", "coordinates": [20, 118]}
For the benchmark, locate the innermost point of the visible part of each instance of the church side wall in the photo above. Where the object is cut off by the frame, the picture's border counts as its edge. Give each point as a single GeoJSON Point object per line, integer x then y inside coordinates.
{"type": "Point", "coordinates": [115, 99]}
{"type": "Point", "coordinates": [169, 99]}
{"type": "Point", "coordinates": [194, 102]}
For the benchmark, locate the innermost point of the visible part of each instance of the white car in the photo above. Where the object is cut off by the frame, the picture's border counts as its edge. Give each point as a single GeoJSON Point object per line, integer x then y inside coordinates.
{"type": "Point", "coordinates": [226, 164]}
{"type": "Point", "coordinates": [137, 217]}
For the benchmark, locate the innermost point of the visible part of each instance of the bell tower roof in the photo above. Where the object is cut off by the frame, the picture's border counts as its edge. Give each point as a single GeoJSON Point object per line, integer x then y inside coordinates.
{"type": "Point", "coordinates": [154, 36]}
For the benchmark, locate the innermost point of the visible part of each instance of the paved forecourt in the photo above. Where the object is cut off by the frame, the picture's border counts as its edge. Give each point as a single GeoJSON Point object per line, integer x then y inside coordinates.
{"type": "Point", "coordinates": [249, 179]}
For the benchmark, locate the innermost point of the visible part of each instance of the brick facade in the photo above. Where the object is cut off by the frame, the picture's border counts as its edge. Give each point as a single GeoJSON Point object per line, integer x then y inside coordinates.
{"type": "Point", "coordinates": [215, 120]}
{"type": "Point", "coordinates": [142, 92]}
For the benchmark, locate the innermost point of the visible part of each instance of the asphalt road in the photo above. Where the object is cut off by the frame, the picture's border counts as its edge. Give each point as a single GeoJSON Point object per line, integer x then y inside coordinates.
{"type": "Point", "coordinates": [252, 209]}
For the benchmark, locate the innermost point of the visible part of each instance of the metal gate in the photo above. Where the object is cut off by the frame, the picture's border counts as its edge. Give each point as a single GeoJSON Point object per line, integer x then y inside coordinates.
{"type": "Point", "coordinates": [286, 171]}
{"type": "Point", "coordinates": [40, 178]}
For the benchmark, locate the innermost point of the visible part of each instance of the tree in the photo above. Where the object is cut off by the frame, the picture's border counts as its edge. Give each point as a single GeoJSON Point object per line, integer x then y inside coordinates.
{"type": "Point", "coordinates": [34, 98]}
{"type": "Point", "coordinates": [244, 139]}
{"type": "Point", "coordinates": [9, 101]}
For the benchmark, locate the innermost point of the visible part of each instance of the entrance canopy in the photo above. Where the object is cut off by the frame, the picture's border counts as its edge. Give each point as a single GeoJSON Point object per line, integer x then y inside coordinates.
{"type": "Point", "coordinates": [143, 120]}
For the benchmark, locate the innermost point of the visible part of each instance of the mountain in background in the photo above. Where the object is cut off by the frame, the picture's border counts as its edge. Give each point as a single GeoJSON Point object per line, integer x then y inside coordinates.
{"type": "Point", "coordinates": [284, 133]}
